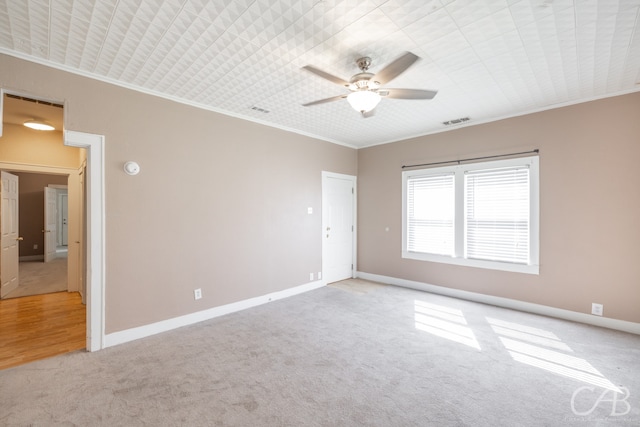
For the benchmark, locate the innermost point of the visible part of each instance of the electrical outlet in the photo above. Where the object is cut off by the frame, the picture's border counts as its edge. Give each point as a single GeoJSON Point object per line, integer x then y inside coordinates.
{"type": "Point", "coordinates": [311, 276]}
{"type": "Point", "coordinates": [35, 246]}
{"type": "Point", "coordinates": [597, 309]}
{"type": "Point", "coordinates": [319, 275]}
{"type": "Point", "coordinates": [197, 293]}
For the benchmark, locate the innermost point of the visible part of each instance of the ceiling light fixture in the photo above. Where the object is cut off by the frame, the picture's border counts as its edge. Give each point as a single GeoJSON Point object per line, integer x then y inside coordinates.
{"type": "Point", "coordinates": [363, 101]}
{"type": "Point", "coordinates": [38, 125]}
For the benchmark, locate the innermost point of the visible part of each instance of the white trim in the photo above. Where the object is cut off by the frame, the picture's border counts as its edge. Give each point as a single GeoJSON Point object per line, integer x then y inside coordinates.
{"type": "Point", "coordinates": [354, 251]}
{"type": "Point", "coordinates": [544, 310]}
{"type": "Point", "coordinates": [95, 216]}
{"type": "Point", "coordinates": [132, 334]}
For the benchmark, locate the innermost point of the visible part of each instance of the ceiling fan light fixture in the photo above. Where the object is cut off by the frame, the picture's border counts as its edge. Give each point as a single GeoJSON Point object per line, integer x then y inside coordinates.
{"type": "Point", "coordinates": [363, 101]}
{"type": "Point", "coordinates": [365, 87]}
{"type": "Point", "coordinates": [38, 125]}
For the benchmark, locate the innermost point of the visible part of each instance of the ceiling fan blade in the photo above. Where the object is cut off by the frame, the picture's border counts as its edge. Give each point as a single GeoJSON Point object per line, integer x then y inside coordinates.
{"type": "Point", "coordinates": [407, 93]}
{"type": "Point", "coordinates": [327, 76]}
{"type": "Point", "coordinates": [396, 68]}
{"type": "Point", "coordinates": [322, 101]}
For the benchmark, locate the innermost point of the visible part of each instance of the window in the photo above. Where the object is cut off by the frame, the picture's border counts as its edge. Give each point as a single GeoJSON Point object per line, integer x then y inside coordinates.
{"type": "Point", "coordinates": [481, 215]}
{"type": "Point", "coordinates": [430, 205]}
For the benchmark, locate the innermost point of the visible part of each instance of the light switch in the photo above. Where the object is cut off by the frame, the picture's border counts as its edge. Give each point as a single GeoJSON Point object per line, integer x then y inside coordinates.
{"type": "Point", "coordinates": [309, 211]}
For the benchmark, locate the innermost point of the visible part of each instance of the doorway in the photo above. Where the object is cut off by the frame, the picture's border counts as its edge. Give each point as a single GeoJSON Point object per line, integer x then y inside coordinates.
{"type": "Point", "coordinates": [52, 176]}
{"type": "Point", "coordinates": [43, 227]}
{"type": "Point", "coordinates": [92, 256]}
{"type": "Point", "coordinates": [45, 171]}
{"type": "Point", "coordinates": [338, 226]}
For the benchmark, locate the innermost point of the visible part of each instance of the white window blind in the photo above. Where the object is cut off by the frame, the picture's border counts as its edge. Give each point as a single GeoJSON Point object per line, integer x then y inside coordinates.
{"type": "Point", "coordinates": [497, 214]}
{"type": "Point", "coordinates": [431, 214]}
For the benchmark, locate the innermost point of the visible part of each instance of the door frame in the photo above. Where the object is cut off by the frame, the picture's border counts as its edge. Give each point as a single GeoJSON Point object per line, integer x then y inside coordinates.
{"type": "Point", "coordinates": [354, 200]}
{"type": "Point", "coordinates": [95, 226]}
{"type": "Point", "coordinates": [50, 240]}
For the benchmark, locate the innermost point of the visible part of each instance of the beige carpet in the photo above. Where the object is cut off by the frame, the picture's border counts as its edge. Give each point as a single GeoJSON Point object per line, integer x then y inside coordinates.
{"type": "Point", "coordinates": [38, 277]}
{"type": "Point", "coordinates": [347, 355]}
{"type": "Point", "coordinates": [357, 286]}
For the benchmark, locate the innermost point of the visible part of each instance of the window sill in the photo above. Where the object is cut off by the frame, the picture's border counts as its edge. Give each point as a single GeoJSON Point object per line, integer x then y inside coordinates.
{"type": "Point", "coordinates": [491, 265]}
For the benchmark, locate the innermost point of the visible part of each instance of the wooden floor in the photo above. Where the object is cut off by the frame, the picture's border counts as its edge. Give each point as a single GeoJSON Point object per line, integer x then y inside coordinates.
{"type": "Point", "coordinates": [41, 326]}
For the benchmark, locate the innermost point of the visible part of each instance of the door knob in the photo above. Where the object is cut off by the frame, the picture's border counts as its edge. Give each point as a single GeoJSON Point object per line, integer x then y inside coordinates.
{"type": "Point", "coordinates": [20, 239]}
{"type": "Point", "coordinates": [328, 228]}
{"type": "Point", "coordinates": [46, 231]}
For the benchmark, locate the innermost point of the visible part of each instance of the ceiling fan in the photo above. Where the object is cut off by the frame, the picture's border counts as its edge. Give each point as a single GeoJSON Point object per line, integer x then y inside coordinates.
{"type": "Point", "coordinates": [365, 87]}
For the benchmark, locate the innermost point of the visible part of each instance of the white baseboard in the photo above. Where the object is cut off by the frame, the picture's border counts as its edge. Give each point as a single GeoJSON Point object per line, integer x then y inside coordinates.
{"type": "Point", "coordinates": [31, 258]}
{"type": "Point", "coordinates": [132, 334]}
{"type": "Point", "coordinates": [605, 322]}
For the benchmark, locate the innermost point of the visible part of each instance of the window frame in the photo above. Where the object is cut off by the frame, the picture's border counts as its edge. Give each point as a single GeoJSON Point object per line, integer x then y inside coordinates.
{"type": "Point", "coordinates": [459, 170]}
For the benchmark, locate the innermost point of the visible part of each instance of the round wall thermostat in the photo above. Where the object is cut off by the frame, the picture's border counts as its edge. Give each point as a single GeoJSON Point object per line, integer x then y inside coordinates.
{"type": "Point", "coordinates": [132, 168]}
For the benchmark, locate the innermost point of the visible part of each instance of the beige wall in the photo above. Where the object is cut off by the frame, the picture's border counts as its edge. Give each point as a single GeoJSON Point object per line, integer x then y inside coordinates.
{"type": "Point", "coordinates": [31, 214]}
{"type": "Point", "coordinates": [589, 214]}
{"type": "Point", "coordinates": [220, 203]}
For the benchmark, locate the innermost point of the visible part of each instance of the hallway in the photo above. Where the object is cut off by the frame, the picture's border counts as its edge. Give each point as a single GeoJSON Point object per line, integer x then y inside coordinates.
{"type": "Point", "coordinates": [40, 318]}
{"type": "Point", "coordinates": [38, 277]}
{"type": "Point", "coordinates": [41, 326]}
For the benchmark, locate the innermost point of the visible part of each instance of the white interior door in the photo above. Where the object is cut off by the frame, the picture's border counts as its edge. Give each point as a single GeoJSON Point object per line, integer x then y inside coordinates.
{"type": "Point", "coordinates": [50, 223]}
{"type": "Point", "coordinates": [338, 226]}
{"type": "Point", "coordinates": [9, 238]}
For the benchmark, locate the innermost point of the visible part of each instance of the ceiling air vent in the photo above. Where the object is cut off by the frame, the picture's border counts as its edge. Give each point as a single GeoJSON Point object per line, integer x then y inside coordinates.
{"type": "Point", "coordinates": [456, 121]}
{"type": "Point", "coordinates": [261, 110]}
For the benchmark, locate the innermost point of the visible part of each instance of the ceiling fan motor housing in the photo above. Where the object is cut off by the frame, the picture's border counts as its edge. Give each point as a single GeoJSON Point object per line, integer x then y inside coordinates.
{"type": "Point", "coordinates": [362, 81]}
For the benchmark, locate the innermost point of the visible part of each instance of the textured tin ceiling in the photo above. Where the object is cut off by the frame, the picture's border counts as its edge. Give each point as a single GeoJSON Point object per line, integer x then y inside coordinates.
{"type": "Point", "coordinates": [488, 59]}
